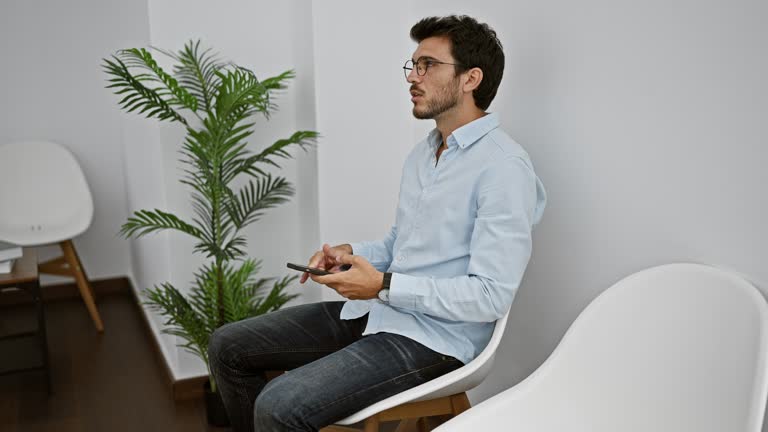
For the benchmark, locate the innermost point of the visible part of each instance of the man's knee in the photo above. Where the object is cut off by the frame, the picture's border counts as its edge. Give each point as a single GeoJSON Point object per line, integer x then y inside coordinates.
{"type": "Point", "coordinates": [218, 344]}
{"type": "Point", "coordinates": [278, 407]}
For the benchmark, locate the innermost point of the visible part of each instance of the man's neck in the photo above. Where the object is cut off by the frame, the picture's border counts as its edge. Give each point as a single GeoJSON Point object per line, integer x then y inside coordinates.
{"type": "Point", "coordinates": [453, 119]}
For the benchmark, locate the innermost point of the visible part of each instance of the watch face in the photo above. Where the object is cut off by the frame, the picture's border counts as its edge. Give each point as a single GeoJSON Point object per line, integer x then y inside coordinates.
{"type": "Point", "coordinates": [384, 295]}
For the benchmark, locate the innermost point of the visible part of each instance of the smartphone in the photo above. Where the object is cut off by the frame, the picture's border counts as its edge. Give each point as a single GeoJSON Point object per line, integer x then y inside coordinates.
{"type": "Point", "coordinates": [314, 270]}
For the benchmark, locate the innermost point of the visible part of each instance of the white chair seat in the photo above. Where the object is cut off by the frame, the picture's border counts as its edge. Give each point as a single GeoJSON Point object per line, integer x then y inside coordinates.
{"type": "Point", "coordinates": [452, 383]}
{"type": "Point", "coordinates": [44, 195]}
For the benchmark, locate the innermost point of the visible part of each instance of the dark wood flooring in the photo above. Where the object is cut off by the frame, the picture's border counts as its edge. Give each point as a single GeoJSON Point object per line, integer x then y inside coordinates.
{"type": "Point", "coordinates": [110, 382]}
{"type": "Point", "coordinates": [113, 381]}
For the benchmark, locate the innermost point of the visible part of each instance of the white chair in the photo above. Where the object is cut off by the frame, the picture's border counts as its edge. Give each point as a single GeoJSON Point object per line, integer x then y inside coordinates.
{"type": "Point", "coordinates": [677, 348]}
{"type": "Point", "coordinates": [445, 395]}
{"type": "Point", "coordinates": [44, 199]}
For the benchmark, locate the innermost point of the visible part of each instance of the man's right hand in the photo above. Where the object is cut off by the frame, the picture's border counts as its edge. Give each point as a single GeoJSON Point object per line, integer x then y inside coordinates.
{"type": "Point", "coordinates": [328, 259]}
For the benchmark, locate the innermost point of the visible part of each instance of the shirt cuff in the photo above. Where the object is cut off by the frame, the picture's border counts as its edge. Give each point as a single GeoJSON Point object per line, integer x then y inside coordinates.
{"type": "Point", "coordinates": [400, 292]}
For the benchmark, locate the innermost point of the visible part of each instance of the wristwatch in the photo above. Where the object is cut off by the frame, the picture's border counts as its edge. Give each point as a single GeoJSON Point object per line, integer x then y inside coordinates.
{"type": "Point", "coordinates": [384, 291]}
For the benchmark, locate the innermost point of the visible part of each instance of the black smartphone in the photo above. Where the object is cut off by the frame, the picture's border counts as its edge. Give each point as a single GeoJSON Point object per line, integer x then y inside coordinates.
{"type": "Point", "coordinates": [313, 270]}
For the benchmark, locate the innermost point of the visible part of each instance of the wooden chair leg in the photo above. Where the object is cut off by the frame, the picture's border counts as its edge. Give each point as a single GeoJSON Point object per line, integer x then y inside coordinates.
{"type": "Point", "coordinates": [406, 425]}
{"type": "Point", "coordinates": [337, 428]}
{"type": "Point", "coordinates": [372, 424]}
{"type": "Point", "coordinates": [416, 413]}
{"type": "Point", "coordinates": [459, 403]}
{"type": "Point", "coordinates": [70, 255]}
{"type": "Point", "coordinates": [421, 424]}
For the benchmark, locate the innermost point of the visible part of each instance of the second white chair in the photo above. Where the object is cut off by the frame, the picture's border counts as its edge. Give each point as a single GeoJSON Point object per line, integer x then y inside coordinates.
{"type": "Point", "coordinates": [674, 348]}
{"type": "Point", "coordinates": [45, 199]}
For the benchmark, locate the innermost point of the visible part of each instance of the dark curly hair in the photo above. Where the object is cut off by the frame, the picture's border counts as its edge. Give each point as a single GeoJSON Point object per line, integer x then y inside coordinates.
{"type": "Point", "coordinates": [473, 44]}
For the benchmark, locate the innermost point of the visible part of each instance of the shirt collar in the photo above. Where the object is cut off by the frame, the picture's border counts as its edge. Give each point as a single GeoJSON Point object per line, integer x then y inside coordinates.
{"type": "Point", "coordinates": [467, 134]}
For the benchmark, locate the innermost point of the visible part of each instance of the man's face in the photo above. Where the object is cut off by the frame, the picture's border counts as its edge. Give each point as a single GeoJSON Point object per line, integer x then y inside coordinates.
{"type": "Point", "coordinates": [438, 90]}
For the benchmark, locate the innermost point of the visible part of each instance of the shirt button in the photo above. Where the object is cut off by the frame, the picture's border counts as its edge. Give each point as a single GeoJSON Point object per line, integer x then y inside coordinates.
{"type": "Point", "coordinates": [400, 258]}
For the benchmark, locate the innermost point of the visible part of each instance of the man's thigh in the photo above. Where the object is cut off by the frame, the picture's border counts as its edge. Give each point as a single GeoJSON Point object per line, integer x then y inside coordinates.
{"type": "Point", "coordinates": [287, 338]}
{"type": "Point", "coordinates": [340, 384]}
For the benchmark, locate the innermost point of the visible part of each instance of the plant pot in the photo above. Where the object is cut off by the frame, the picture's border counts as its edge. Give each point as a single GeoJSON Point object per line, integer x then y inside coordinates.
{"type": "Point", "coordinates": [214, 407]}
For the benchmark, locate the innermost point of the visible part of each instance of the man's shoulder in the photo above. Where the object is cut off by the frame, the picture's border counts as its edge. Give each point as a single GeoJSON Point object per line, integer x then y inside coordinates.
{"type": "Point", "coordinates": [498, 146]}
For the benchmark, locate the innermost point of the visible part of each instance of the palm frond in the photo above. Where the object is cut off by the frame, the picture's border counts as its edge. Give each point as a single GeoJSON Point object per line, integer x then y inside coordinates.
{"type": "Point", "coordinates": [181, 318]}
{"type": "Point", "coordinates": [278, 82]}
{"type": "Point", "coordinates": [137, 96]}
{"type": "Point", "coordinates": [141, 58]}
{"type": "Point", "coordinates": [239, 87]}
{"type": "Point", "coordinates": [234, 247]}
{"type": "Point", "coordinates": [275, 85]}
{"type": "Point", "coordinates": [204, 296]}
{"type": "Point", "coordinates": [145, 221]}
{"type": "Point", "coordinates": [248, 205]}
{"type": "Point", "coordinates": [276, 298]}
{"type": "Point", "coordinates": [204, 215]}
{"type": "Point", "coordinates": [250, 164]}
{"type": "Point", "coordinates": [196, 71]}
{"type": "Point", "coordinates": [240, 290]}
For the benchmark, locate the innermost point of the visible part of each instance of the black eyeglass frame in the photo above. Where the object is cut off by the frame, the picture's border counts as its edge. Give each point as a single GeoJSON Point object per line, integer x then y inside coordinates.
{"type": "Point", "coordinates": [428, 62]}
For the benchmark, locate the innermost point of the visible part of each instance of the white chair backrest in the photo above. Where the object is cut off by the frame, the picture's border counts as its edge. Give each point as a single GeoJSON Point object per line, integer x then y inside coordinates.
{"type": "Point", "coordinates": [44, 197]}
{"type": "Point", "coordinates": [457, 381]}
{"type": "Point", "coordinates": [678, 348]}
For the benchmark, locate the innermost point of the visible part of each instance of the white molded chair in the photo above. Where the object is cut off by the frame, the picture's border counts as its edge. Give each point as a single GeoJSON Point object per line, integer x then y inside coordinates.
{"type": "Point", "coordinates": [445, 395]}
{"type": "Point", "coordinates": [44, 199]}
{"type": "Point", "coordinates": [674, 348]}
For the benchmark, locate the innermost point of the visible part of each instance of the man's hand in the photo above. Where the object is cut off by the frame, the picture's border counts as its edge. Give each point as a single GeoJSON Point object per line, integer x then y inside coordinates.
{"type": "Point", "coordinates": [361, 282]}
{"type": "Point", "coordinates": [327, 259]}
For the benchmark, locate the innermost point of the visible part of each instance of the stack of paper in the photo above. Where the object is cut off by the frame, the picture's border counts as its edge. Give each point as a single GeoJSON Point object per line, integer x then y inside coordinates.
{"type": "Point", "coordinates": [9, 253]}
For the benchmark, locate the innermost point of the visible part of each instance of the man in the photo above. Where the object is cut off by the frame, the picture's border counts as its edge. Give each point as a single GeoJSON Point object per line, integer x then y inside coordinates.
{"type": "Point", "coordinates": [422, 301]}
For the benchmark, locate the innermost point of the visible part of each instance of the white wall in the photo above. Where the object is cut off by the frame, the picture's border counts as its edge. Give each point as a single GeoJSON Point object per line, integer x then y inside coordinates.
{"type": "Point", "coordinates": [52, 88]}
{"type": "Point", "coordinates": [363, 113]}
{"type": "Point", "coordinates": [645, 120]}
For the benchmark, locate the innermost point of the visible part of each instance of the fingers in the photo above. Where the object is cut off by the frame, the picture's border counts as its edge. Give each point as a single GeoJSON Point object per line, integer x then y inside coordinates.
{"type": "Point", "coordinates": [315, 261]}
{"type": "Point", "coordinates": [349, 259]}
{"type": "Point", "coordinates": [329, 259]}
{"type": "Point", "coordinates": [331, 255]}
{"type": "Point", "coordinates": [317, 258]}
{"type": "Point", "coordinates": [338, 287]}
{"type": "Point", "coordinates": [326, 279]}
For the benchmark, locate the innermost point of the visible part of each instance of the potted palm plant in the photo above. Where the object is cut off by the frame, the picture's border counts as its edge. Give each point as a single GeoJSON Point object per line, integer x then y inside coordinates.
{"type": "Point", "coordinates": [216, 103]}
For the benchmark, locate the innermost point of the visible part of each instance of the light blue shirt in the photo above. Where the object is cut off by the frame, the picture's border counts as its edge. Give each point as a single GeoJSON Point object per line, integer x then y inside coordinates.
{"type": "Point", "coordinates": [460, 242]}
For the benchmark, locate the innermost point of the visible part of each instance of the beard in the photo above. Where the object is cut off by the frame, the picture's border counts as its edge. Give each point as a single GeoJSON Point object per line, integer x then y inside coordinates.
{"type": "Point", "coordinates": [447, 97]}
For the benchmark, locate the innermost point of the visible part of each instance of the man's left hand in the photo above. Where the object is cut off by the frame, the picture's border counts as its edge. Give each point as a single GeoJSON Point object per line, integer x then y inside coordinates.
{"type": "Point", "coordinates": [361, 282]}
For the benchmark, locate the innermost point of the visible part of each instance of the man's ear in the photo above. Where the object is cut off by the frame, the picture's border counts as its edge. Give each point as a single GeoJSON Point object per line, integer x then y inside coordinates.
{"type": "Point", "coordinates": [473, 78]}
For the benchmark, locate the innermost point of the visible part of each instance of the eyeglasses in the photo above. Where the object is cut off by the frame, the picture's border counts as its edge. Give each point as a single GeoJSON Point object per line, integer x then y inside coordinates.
{"type": "Point", "coordinates": [422, 65]}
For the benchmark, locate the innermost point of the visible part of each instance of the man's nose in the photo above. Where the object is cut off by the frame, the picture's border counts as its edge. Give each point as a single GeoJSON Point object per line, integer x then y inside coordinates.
{"type": "Point", "coordinates": [413, 77]}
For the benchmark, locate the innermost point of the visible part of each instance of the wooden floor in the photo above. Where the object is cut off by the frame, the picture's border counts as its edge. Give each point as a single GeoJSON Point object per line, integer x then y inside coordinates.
{"type": "Point", "coordinates": [113, 381]}
{"type": "Point", "coordinates": [109, 382]}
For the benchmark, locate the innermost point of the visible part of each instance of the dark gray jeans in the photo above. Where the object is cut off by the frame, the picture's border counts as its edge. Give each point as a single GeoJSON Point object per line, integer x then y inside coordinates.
{"type": "Point", "coordinates": [333, 371]}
